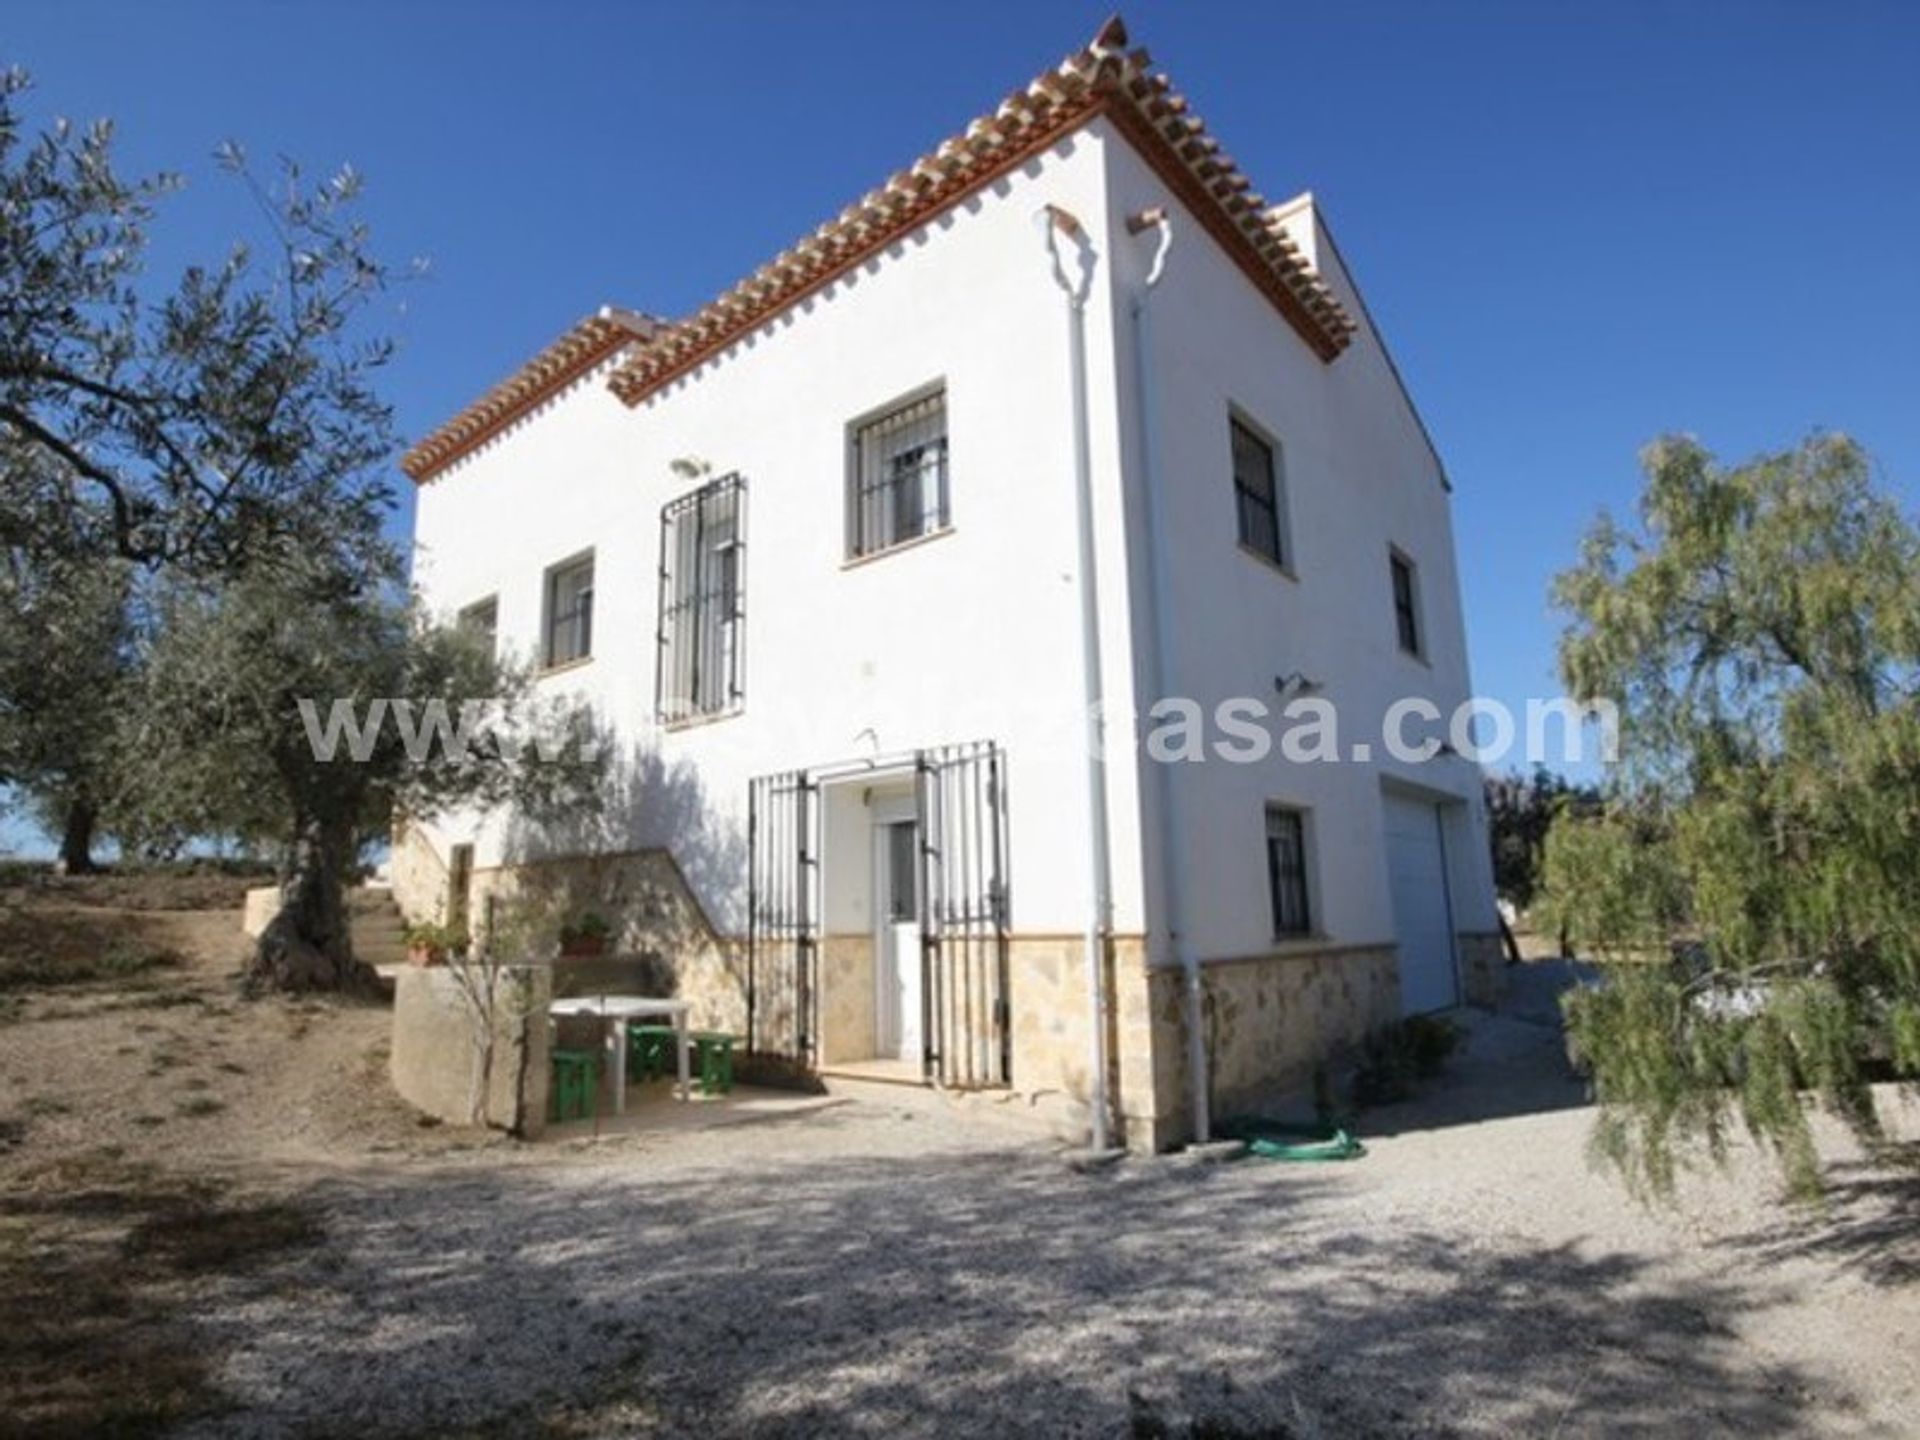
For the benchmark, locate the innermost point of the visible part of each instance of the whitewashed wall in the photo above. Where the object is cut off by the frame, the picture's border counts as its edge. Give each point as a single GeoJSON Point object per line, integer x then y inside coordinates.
{"type": "Point", "coordinates": [973, 635]}
{"type": "Point", "coordinates": [1359, 476]}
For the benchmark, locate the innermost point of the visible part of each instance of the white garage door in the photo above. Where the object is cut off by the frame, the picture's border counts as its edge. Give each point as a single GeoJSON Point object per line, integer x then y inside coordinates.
{"type": "Point", "coordinates": [1422, 921]}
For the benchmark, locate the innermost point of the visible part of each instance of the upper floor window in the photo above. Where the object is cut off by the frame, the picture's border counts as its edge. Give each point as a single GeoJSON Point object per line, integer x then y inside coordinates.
{"type": "Point", "coordinates": [569, 611]}
{"type": "Point", "coordinates": [1406, 602]}
{"type": "Point", "coordinates": [703, 558]}
{"type": "Point", "coordinates": [481, 620]}
{"type": "Point", "coordinates": [1287, 871]}
{"type": "Point", "coordinates": [897, 476]}
{"type": "Point", "coordinates": [1257, 494]}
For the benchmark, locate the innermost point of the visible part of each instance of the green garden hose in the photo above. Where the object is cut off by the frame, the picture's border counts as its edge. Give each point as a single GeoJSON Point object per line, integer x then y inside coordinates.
{"type": "Point", "coordinates": [1270, 1140]}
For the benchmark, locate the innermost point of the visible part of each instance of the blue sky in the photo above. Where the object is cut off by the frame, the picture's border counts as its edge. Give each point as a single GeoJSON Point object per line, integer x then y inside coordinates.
{"type": "Point", "coordinates": [1578, 228]}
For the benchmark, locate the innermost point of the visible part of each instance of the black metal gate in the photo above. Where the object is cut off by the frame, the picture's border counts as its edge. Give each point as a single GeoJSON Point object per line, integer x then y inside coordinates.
{"type": "Point", "coordinates": [783, 915]}
{"type": "Point", "coordinates": [960, 801]}
{"type": "Point", "coordinates": [960, 809]}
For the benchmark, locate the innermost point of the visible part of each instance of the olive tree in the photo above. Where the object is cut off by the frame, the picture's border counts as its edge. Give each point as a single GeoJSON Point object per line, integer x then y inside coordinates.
{"type": "Point", "coordinates": [187, 432]}
{"type": "Point", "coordinates": [210, 424]}
{"type": "Point", "coordinates": [65, 662]}
{"type": "Point", "coordinates": [292, 707]}
{"type": "Point", "coordinates": [1753, 885]}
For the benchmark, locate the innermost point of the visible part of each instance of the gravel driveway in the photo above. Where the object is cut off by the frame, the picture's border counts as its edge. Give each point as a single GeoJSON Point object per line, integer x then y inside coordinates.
{"type": "Point", "coordinates": [888, 1266]}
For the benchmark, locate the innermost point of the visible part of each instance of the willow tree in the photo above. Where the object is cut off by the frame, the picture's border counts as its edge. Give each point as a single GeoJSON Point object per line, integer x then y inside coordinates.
{"type": "Point", "coordinates": [1753, 886]}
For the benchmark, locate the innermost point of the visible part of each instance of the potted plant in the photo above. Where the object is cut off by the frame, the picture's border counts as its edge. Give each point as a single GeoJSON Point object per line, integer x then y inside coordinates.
{"type": "Point", "coordinates": [431, 944]}
{"type": "Point", "coordinates": [585, 935]}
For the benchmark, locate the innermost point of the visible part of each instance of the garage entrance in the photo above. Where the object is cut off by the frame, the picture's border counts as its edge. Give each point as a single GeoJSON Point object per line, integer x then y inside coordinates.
{"type": "Point", "coordinates": [1422, 909]}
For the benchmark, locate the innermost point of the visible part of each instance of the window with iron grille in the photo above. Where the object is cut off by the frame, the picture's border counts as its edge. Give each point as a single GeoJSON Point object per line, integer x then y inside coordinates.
{"type": "Point", "coordinates": [1256, 493]}
{"type": "Point", "coordinates": [481, 620]}
{"type": "Point", "coordinates": [1406, 604]}
{"type": "Point", "coordinates": [897, 476]}
{"type": "Point", "coordinates": [703, 557]}
{"type": "Point", "coordinates": [1287, 871]}
{"type": "Point", "coordinates": [569, 611]}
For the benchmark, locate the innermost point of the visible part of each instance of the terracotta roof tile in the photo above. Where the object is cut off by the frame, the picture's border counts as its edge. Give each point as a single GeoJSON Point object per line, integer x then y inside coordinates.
{"type": "Point", "coordinates": [574, 354]}
{"type": "Point", "coordinates": [1102, 79]}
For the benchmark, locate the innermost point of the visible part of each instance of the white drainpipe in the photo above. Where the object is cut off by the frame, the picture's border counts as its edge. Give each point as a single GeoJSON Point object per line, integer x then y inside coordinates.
{"type": "Point", "coordinates": [1056, 224]}
{"type": "Point", "coordinates": [1161, 679]}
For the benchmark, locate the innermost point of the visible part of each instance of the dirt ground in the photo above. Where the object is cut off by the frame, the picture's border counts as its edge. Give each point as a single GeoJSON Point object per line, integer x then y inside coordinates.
{"type": "Point", "coordinates": [215, 1220]}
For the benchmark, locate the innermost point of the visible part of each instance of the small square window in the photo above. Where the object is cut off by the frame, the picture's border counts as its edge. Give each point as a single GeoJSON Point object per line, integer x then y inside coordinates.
{"type": "Point", "coordinates": [1406, 602]}
{"type": "Point", "coordinates": [569, 610]}
{"type": "Point", "coordinates": [481, 620]}
{"type": "Point", "coordinates": [1287, 871]}
{"type": "Point", "coordinates": [1257, 494]}
{"type": "Point", "coordinates": [897, 476]}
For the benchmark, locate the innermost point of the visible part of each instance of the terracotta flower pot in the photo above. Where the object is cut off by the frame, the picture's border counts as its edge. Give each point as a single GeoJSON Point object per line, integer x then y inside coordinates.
{"type": "Point", "coordinates": [581, 947]}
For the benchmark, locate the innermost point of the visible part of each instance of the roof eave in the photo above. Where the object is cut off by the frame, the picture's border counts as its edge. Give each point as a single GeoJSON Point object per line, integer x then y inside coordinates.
{"type": "Point", "coordinates": [577, 352]}
{"type": "Point", "coordinates": [1103, 80]}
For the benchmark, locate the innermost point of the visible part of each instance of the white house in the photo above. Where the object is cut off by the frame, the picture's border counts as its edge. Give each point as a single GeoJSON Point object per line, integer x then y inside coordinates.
{"type": "Point", "coordinates": [827, 554]}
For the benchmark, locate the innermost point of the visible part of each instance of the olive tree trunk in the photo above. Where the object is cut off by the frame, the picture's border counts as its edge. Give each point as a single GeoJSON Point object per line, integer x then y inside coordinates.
{"type": "Point", "coordinates": [76, 838]}
{"type": "Point", "coordinates": [309, 944]}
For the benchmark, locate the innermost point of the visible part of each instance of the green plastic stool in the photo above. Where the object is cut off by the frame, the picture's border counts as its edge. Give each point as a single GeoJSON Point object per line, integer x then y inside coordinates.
{"type": "Point", "coordinates": [715, 1051]}
{"type": "Point", "coordinates": [650, 1051]}
{"type": "Point", "coordinates": [576, 1084]}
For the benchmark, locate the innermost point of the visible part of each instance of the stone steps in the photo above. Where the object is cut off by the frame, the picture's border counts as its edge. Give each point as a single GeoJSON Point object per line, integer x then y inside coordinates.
{"type": "Point", "coordinates": [379, 931]}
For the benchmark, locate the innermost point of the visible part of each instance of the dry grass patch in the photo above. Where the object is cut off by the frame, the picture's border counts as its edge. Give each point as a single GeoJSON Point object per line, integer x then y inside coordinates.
{"type": "Point", "coordinates": [42, 948]}
{"type": "Point", "coordinates": [191, 885]}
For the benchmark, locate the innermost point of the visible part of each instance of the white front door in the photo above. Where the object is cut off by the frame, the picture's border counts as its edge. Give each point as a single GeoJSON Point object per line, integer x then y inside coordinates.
{"type": "Point", "coordinates": [896, 908]}
{"type": "Point", "coordinates": [1422, 913]}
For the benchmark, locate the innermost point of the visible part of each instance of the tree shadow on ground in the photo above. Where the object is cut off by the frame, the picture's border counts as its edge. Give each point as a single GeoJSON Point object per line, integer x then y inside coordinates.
{"type": "Point", "coordinates": [1869, 1223]}
{"type": "Point", "coordinates": [974, 1292]}
{"type": "Point", "coordinates": [1505, 1068]}
{"type": "Point", "coordinates": [91, 1252]}
{"type": "Point", "coordinates": [1511, 1061]}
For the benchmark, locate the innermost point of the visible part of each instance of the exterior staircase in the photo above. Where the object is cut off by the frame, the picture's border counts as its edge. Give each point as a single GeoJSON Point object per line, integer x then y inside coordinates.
{"type": "Point", "coordinates": [379, 931]}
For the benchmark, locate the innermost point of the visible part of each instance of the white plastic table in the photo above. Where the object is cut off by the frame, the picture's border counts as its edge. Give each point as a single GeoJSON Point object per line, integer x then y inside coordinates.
{"type": "Point", "coordinates": [621, 1009]}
